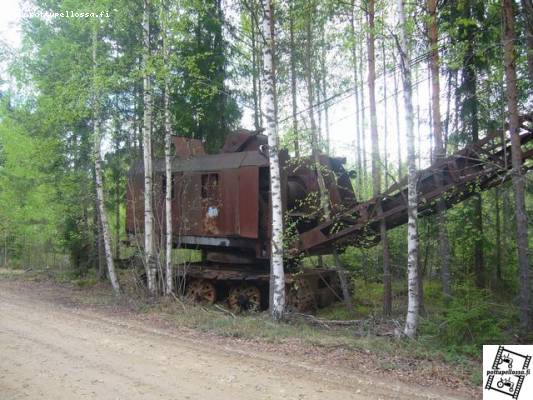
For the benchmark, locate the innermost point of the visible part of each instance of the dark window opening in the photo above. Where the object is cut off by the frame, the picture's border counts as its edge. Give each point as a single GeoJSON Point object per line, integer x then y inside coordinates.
{"type": "Point", "coordinates": [164, 185]}
{"type": "Point", "coordinates": [209, 186]}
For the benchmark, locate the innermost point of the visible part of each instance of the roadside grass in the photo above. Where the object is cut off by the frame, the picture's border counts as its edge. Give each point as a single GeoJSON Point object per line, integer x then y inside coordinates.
{"type": "Point", "coordinates": [389, 352]}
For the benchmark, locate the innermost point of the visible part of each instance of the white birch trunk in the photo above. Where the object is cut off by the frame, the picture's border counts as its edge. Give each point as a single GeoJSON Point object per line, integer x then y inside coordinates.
{"type": "Point", "coordinates": [169, 287]}
{"type": "Point", "coordinates": [147, 155]}
{"type": "Point", "coordinates": [277, 274]}
{"type": "Point", "coordinates": [411, 321]}
{"type": "Point", "coordinates": [98, 176]}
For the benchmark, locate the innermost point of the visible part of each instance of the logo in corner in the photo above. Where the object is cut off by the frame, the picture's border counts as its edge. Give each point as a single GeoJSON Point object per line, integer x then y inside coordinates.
{"type": "Point", "coordinates": [507, 372]}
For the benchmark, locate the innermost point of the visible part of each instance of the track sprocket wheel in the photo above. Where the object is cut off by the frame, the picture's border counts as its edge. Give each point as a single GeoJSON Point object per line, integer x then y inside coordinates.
{"type": "Point", "coordinates": [201, 291]}
{"type": "Point", "coordinates": [244, 297]}
{"type": "Point", "coordinates": [300, 297]}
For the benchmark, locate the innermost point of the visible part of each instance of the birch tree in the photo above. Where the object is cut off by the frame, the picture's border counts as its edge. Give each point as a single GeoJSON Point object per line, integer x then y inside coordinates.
{"type": "Point", "coordinates": [147, 154]}
{"type": "Point", "coordinates": [169, 287]}
{"type": "Point", "coordinates": [97, 133]}
{"type": "Point", "coordinates": [516, 156]}
{"type": "Point", "coordinates": [397, 121]}
{"type": "Point", "coordinates": [277, 274]}
{"type": "Point", "coordinates": [411, 321]}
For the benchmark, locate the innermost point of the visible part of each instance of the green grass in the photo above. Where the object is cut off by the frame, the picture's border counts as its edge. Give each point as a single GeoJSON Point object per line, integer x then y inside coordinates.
{"type": "Point", "coordinates": [431, 345]}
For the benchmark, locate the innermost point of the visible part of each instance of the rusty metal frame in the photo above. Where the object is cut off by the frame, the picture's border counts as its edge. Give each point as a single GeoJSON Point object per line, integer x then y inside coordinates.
{"type": "Point", "coordinates": [456, 173]}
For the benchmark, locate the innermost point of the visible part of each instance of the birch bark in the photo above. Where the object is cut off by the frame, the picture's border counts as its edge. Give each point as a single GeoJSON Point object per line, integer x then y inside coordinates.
{"type": "Point", "coordinates": [147, 155]}
{"type": "Point", "coordinates": [411, 321]}
{"type": "Point", "coordinates": [97, 132]}
{"type": "Point", "coordinates": [293, 81]}
{"type": "Point", "coordinates": [169, 287]}
{"type": "Point", "coordinates": [277, 274]}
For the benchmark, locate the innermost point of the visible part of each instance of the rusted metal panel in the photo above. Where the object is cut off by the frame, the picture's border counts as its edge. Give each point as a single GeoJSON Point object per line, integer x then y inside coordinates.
{"type": "Point", "coordinates": [190, 207]}
{"type": "Point", "coordinates": [134, 204]}
{"type": "Point", "coordinates": [159, 184]}
{"type": "Point", "coordinates": [243, 140]}
{"type": "Point", "coordinates": [248, 206]}
{"type": "Point", "coordinates": [311, 238]}
{"type": "Point", "coordinates": [210, 203]}
{"type": "Point", "coordinates": [229, 206]}
{"type": "Point", "coordinates": [215, 162]}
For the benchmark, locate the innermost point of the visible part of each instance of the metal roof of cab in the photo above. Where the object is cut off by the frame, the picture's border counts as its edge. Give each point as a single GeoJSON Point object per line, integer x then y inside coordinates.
{"type": "Point", "coordinates": [207, 163]}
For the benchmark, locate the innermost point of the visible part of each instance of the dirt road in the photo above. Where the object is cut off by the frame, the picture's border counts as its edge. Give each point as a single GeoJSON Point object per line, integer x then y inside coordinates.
{"type": "Point", "coordinates": [53, 351]}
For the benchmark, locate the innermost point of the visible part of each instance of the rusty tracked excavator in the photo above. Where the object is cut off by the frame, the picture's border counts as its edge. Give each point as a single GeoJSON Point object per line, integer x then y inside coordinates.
{"type": "Point", "coordinates": [220, 206]}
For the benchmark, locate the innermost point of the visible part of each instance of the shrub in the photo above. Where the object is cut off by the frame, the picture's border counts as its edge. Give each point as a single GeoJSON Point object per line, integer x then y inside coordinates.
{"type": "Point", "coordinates": [470, 321]}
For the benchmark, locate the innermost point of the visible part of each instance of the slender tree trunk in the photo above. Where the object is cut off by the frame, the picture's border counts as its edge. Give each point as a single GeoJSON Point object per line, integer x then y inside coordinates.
{"type": "Point", "coordinates": [498, 235]}
{"type": "Point", "coordinates": [517, 171]}
{"type": "Point", "coordinates": [385, 111]}
{"type": "Point", "coordinates": [363, 114]}
{"type": "Point", "coordinates": [6, 258]}
{"type": "Point", "coordinates": [411, 321]}
{"type": "Point", "coordinates": [323, 73]}
{"type": "Point", "coordinates": [100, 251]}
{"type": "Point", "coordinates": [376, 159]}
{"type": "Point", "coordinates": [147, 156]}
{"type": "Point", "coordinates": [470, 112]}
{"type": "Point", "coordinates": [293, 81]}
{"type": "Point", "coordinates": [260, 69]}
{"type": "Point", "coordinates": [117, 216]}
{"type": "Point", "coordinates": [448, 111]}
{"type": "Point", "coordinates": [116, 176]}
{"type": "Point", "coordinates": [257, 109]}
{"type": "Point", "coordinates": [507, 231]}
{"type": "Point", "coordinates": [318, 92]}
{"type": "Point", "coordinates": [439, 151]}
{"type": "Point", "coordinates": [358, 155]}
{"type": "Point", "coordinates": [430, 127]}
{"type": "Point", "coordinates": [277, 275]}
{"type": "Point", "coordinates": [421, 263]}
{"type": "Point", "coordinates": [397, 119]}
{"type": "Point", "coordinates": [417, 116]}
{"type": "Point", "coordinates": [98, 176]}
{"type": "Point", "coordinates": [169, 282]}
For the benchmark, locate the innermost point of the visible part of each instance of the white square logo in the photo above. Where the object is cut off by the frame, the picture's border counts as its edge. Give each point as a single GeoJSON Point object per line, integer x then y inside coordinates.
{"type": "Point", "coordinates": [507, 373]}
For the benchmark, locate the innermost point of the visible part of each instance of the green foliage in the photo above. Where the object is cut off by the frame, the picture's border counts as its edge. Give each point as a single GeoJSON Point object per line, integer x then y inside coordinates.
{"type": "Point", "coordinates": [202, 104]}
{"type": "Point", "coordinates": [29, 212]}
{"type": "Point", "coordinates": [469, 321]}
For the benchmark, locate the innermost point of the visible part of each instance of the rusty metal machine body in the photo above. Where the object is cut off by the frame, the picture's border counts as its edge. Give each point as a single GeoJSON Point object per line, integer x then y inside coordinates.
{"type": "Point", "coordinates": [220, 205]}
